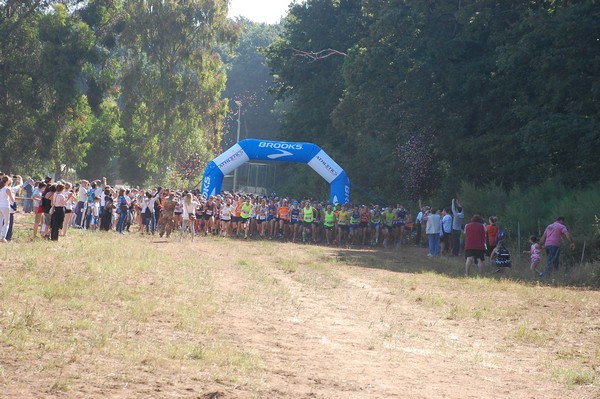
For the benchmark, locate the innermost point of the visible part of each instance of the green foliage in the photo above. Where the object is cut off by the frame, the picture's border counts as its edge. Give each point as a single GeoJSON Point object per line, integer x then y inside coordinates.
{"type": "Point", "coordinates": [172, 80]}
{"type": "Point", "coordinates": [106, 139]}
{"type": "Point", "coordinates": [494, 89]}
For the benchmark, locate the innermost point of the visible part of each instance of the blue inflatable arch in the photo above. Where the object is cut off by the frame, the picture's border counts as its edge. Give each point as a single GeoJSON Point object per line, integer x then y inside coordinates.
{"type": "Point", "coordinates": [277, 151]}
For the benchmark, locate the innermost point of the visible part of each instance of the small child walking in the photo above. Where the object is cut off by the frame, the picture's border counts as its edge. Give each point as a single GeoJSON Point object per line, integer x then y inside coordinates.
{"type": "Point", "coordinates": [535, 251]}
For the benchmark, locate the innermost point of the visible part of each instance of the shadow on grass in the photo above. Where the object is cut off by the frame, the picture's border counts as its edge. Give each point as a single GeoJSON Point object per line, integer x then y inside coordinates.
{"type": "Point", "coordinates": [410, 259]}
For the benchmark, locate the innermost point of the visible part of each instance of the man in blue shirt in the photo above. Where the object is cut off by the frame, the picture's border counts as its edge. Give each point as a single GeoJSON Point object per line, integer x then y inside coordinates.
{"type": "Point", "coordinates": [446, 231]}
{"type": "Point", "coordinates": [457, 222]}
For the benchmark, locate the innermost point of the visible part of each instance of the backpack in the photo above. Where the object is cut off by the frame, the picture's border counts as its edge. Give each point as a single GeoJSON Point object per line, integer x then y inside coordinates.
{"type": "Point", "coordinates": [502, 258]}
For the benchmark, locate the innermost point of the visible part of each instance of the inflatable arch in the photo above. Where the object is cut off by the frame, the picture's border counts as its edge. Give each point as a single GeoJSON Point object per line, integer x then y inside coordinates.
{"type": "Point", "coordinates": [277, 151]}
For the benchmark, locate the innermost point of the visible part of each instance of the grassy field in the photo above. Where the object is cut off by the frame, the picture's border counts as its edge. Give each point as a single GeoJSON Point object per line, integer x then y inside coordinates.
{"type": "Point", "coordinates": [103, 315]}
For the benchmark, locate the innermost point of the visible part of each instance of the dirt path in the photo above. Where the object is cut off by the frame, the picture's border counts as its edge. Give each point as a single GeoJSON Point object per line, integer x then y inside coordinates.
{"type": "Point", "coordinates": [360, 338]}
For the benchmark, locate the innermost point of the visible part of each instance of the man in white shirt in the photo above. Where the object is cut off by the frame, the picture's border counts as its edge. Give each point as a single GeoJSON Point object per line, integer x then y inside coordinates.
{"type": "Point", "coordinates": [81, 207]}
{"type": "Point", "coordinates": [433, 230]}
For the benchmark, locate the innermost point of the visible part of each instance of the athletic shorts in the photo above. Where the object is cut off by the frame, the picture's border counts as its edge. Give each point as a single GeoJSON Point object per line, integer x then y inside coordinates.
{"type": "Point", "coordinates": [307, 225]}
{"type": "Point", "coordinates": [375, 225]}
{"type": "Point", "coordinates": [244, 220]}
{"type": "Point", "coordinates": [364, 225]}
{"type": "Point", "coordinates": [235, 219]}
{"type": "Point", "coordinates": [270, 217]}
{"type": "Point", "coordinates": [67, 211]}
{"type": "Point", "coordinates": [344, 227]}
{"type": "Point", "coordinates": [387, 226]}
{"type": "Point", "coordinates": [295, 222]}
{"type": "Point", "coordinates": [207, 217]}
{"type": "Point", "coordinates": [226, 220]}
{"type": "Point", "coordinates": [259, 221]}
{"type": "Point", "coordinates": [328, 227]}
{"type": "Point", "coordinates": [475, 253]}
{"type": "Point", "coordinates": [178, 213]}
{"type": "Point", "coordinates": [354, 227]}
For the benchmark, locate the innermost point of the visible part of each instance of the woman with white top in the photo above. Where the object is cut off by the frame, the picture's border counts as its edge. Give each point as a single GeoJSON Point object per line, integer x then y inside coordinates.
{"type": "Point", "coordinates": [70, 196]}
{"type": "Point", "coordinates": [6, 198]}
{"type": "Point", "coordinates": [188, 215]}
{"type": "Point", "coordinates": [225, 216]}
{"type": "Point", "coordinates": [37, 207]}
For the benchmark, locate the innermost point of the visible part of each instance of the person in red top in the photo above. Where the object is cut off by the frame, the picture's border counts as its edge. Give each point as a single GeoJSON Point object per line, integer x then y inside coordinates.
{"type": "Point", "coordinates": [491, 233]}
{"type": "Point", "coordinates": [475, 234]}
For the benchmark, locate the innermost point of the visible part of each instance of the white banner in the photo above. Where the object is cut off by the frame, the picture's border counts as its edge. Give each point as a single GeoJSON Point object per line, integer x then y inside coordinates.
{"type": "Point", "coordinates": [231, 159]}
{"type": "Point", "coordinates": [325, 166]}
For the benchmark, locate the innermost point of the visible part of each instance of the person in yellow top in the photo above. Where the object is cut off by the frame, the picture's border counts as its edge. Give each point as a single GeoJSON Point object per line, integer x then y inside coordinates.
{"type": "Point", "coordinates": [245, 212]}
{"type": "Point", "coordinates": [342, 223]}
{"type": "Point", "coordinates": [307, 216]}
{"type": "Point", "coordinates": [328, 223]}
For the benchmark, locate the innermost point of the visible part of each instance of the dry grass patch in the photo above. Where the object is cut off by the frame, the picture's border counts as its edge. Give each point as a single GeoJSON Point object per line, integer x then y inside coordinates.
{"type": "Point", "coordinates": [104, 315]}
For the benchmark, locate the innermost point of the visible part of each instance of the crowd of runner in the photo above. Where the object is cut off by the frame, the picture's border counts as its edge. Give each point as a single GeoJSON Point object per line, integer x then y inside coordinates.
{"type": "Point", "coordinates": [96, 206]}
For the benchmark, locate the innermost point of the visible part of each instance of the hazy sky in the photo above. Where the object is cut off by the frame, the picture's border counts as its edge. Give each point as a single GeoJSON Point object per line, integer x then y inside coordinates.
{"type": "Point", "coordinates": [269, 11]}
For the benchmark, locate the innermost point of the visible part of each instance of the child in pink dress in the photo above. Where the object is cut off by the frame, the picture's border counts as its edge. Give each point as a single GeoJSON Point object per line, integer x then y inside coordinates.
{"type": "Point", "coordinates": [535, 251]}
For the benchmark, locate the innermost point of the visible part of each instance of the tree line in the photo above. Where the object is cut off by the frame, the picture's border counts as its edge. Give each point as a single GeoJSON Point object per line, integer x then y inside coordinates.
{"type": "Point", "coordinates": [125, 89]}
{"type": "Point", "coordinates": [413, 97]}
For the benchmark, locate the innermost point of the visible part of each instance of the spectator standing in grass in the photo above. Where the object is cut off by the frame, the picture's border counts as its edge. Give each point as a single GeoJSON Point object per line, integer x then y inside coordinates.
{"type": "Point", "coordinates": [15, 188]}
{"type": "Point", "coordinates": [82, 202]}
{"type": "Point", "coordinates": [433, 230]}
{"type": "Point", "coordinates": [457, 222]}
{"type": "Point", "coordinates": [446, 231]}
{"type": "Point", "coordinates": [37, 207]}
{"type": "Point", "coordinates": [28, 202]}
{"type": "Point", "coordinates": [6, 199]}
{"type": "Point", "coordinates": [59, 203]}
{"type": "Point", "coordinates": [551, 240]}
{"type": "Point", "coordinates": [474, 243]}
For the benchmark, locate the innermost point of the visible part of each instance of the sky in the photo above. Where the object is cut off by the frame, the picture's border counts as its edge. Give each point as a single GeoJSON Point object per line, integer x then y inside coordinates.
{"type": "Point", "coordinates": [268, 11]}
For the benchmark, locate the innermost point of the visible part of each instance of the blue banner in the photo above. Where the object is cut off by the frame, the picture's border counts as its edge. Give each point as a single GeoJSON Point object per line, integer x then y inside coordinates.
{"type": "Point", "coordinates": [277, 151]}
